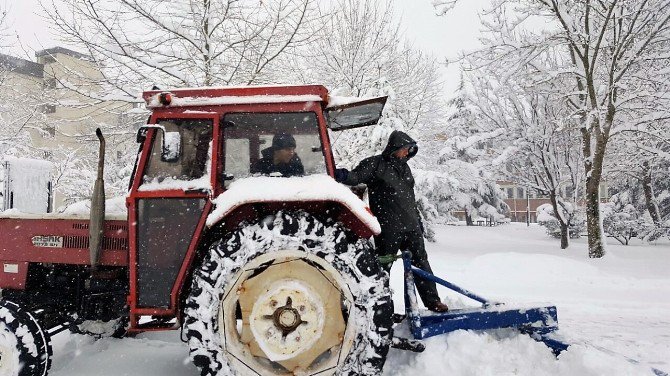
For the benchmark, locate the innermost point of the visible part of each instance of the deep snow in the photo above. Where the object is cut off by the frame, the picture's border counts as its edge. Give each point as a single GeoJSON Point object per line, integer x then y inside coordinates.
{"type": "Point", "coordinates": [620, 303]}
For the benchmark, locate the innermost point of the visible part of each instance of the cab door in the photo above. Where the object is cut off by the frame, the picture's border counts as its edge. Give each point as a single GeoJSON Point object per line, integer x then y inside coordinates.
{"type": "Point", "coordinates": [168, 205]}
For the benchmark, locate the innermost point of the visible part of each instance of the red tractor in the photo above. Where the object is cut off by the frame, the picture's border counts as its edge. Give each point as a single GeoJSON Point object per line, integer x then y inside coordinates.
{"type": "Point", "coordinates": [264, 275]}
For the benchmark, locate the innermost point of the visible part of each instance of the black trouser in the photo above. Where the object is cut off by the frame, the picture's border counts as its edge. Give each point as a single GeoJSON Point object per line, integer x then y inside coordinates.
{"type": "Point", "coordinates": [389, 243]}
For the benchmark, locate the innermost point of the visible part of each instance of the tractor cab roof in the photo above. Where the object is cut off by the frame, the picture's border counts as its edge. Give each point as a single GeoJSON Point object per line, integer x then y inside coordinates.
{"type": "Point", "coordinates": [213, 96]}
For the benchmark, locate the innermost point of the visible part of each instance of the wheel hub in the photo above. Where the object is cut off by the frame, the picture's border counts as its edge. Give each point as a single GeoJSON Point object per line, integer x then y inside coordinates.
{"type": "Point", "coordinates": [283, 332]}
{"type": "Point", "coordinates": [286, 318]}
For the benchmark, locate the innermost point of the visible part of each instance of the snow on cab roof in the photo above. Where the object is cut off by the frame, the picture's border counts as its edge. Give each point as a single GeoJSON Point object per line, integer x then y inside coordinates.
{"type": "Point", "coordinates": [208, 96]}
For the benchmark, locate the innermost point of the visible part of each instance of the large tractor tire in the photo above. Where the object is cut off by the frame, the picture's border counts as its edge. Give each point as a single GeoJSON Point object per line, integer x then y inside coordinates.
{"type": "Point", "coordinates": [289, 295]}
{"type": "Point", "coordinates": [25, 347]}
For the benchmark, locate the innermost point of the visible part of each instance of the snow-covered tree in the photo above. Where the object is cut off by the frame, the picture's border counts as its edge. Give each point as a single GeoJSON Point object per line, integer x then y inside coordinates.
{"type": "Point", "coordinates": [184, 42]}
{"type": "Point", "coordinates": [532, 138]}
{"type": "Point", "coordinates": [546, 217]}
{"type": "Point", "coordinates": [466, 156]}
{"type": "Point", "coordinates": [614, 52]}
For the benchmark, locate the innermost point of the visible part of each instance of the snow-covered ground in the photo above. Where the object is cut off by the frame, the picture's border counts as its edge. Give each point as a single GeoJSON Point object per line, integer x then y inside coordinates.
{"type": "Point", "coordinates": [609, 308]}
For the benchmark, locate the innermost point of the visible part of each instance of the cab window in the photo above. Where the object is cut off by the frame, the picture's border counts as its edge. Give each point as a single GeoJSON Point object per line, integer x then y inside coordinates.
{"type": "Point", "coordinates": [190, 163]}
{"type": "Point", "coordinates": [253, 143]}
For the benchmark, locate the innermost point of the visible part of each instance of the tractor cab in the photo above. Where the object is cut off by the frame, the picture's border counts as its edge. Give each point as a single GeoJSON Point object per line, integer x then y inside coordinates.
{"type": "Point", "coordinates": [197, 143]}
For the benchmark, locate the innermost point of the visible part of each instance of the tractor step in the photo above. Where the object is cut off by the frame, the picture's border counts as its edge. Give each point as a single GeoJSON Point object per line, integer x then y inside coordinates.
{"type": "Point", "coordinates": [407, 344]}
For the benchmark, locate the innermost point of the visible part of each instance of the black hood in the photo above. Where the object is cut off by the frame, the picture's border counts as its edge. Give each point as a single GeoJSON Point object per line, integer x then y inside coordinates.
{"type": "Point", "coordinates": [399, 140]}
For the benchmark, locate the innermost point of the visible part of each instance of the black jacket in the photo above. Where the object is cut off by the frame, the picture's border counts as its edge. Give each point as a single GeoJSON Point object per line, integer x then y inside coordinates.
{"type": "Point", "coordinates": [391, 186]}
{"type": "Point", "coordinates": [266, 165]}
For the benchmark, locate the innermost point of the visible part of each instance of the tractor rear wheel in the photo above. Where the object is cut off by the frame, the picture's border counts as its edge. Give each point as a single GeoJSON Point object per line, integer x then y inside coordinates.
{"type": "Point", "coordinates": [289, 295]}
{"type": "Point", "coordinates": [25, 347]}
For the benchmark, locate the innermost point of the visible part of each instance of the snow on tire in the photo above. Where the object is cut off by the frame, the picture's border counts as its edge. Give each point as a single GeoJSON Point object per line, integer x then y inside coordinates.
{"type": "Point", "coordinates": [25, 349]}
{"type": "Point", "coordinates": [289, 294]}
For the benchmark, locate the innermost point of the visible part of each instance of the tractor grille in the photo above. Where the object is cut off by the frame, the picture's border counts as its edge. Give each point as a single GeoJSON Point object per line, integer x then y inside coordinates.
{"type": "Point", "coordinates": [107, 243]}
{"type": "Point", "coordinates": [112, 227]}
{"type": "Point", "coordinates": [117, 227]}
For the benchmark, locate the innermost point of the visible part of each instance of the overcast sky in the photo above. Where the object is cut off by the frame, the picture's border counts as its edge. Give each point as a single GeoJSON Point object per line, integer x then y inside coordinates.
{"type": "Point", "coordinates": [442, 36]}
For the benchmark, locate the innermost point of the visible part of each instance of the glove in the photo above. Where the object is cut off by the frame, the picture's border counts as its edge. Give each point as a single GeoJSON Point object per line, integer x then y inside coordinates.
{"type": "Point", "coordinates": [341, 175]}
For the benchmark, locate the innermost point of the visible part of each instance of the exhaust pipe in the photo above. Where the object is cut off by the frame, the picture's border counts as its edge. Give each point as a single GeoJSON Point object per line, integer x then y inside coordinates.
{"type": "Point", "coordinates": [97, 225]}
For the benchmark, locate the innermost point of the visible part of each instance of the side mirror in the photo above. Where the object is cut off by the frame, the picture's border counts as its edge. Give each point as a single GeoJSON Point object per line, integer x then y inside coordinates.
{"type": "Point", "coordinates": [170, 145]}
{"type": "Point", "coordinates": [171, 150]}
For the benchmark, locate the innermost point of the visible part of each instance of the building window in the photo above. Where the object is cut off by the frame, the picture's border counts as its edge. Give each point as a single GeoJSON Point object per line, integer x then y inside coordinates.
{"type": "Point", "coordinates": [510, 192]}
{"type": "Point", "coordinates": [519, 193]}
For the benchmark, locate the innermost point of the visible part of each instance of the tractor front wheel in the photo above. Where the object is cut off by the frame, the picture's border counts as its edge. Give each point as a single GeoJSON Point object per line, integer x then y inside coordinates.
{"type": "Point", "coordinates": [289, 295]}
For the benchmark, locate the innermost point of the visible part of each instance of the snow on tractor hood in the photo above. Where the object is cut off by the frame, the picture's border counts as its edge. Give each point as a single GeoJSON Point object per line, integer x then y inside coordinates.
{"type": "Point", "coordinates": [115, 209]}
{"type": "Point", "coordinates": [274, 189]}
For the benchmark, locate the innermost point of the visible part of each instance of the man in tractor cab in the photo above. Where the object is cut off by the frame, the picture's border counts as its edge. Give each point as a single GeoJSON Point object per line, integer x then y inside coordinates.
{"type": "Point", "coordinates": [279, 158]}
{"type": "Point", "coordinates": [391, 190]}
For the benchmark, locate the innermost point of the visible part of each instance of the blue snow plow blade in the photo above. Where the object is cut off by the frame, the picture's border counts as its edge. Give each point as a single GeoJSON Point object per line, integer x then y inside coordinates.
{"type": "Point", "coordinates": [537, 322]}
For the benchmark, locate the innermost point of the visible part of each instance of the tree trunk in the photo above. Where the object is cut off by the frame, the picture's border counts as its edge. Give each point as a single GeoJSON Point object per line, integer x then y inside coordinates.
{"type": "Point", "coordinates": [553, 197]}
{"type": "Point", "coordinates": [596, 246]}
{"type": "Point", "coordinates": [565, 236]}
{"type": "Point", "coordinates": [468, 219]}
{"type": "Point", "coordinates": [649, 197]}
{"type": "Point", "coordinates": [593, 167]}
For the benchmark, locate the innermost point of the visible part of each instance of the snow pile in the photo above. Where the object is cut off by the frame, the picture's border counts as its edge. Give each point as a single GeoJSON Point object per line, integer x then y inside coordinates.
{"type": "Point", "coordinates": [115, 208]}
{"type": "Point", "coordinates": [504, 353]}
{"type": "Point", "coordinates": [279, 189]}
{"type": "Point", "coordinates": [156, 184]}
{"type": "Point", "coordinates": [26, 181]}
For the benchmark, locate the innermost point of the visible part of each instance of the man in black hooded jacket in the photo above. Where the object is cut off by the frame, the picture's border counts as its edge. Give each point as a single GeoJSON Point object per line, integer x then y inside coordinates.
{"type": "Point", "coordinates": [391, 191]}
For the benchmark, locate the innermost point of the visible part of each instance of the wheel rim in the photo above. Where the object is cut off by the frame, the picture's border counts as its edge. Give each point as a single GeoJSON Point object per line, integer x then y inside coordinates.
{"type": "Point", "coordinates": [293, 309]}
{"type": "Point", "coordinates": [9, 357]}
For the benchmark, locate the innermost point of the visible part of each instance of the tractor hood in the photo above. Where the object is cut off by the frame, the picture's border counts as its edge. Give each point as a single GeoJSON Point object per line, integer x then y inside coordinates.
{"type": "Point", "coordinates": [313, 188]}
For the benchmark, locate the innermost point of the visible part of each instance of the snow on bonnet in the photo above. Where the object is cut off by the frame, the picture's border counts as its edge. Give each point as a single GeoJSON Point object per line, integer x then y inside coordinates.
{"type": "Point", "coordinates": [273, 189]}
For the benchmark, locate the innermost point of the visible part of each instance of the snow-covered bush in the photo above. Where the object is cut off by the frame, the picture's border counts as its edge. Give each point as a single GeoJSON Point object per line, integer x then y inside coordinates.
{"type": "Point", "coordinates": [576, 221]}
{"type": "Point", "coordinates": [622, 223]}
{"type": "Point", "coordinates": [626, 217]}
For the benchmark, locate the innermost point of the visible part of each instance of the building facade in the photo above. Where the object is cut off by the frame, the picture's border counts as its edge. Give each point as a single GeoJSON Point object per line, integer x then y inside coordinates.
{"type": "Point", "coordinates": [58, 101]}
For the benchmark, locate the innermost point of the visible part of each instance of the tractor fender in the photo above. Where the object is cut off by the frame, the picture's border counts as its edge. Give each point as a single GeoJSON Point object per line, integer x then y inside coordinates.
{"type": "Point", "coordinates": [317, 194]}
